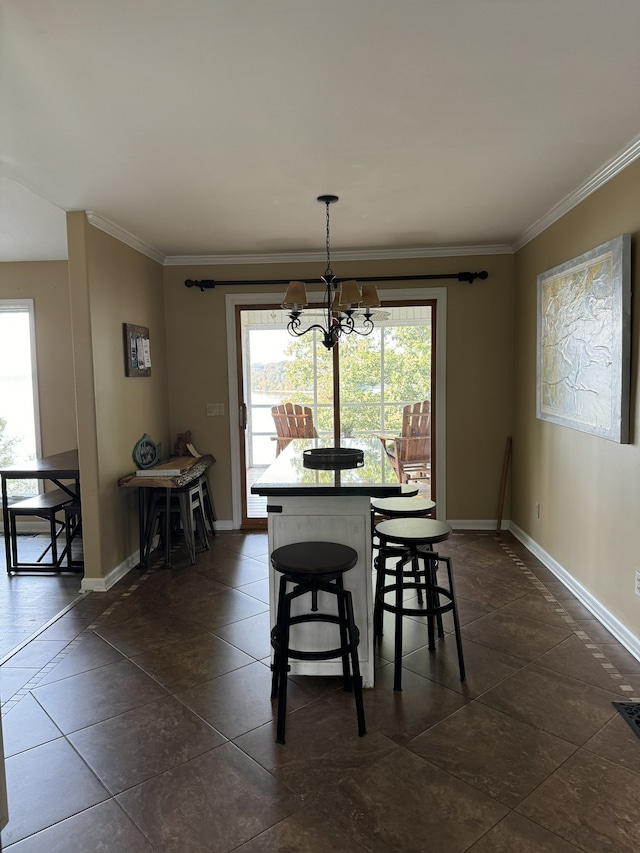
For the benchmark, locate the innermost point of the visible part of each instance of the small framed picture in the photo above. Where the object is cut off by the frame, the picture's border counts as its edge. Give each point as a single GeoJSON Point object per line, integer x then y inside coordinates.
{"type": "Point", "coordinates": [137, 353]}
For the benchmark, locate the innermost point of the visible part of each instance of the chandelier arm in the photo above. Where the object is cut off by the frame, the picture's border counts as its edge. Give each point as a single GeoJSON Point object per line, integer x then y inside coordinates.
{"type": "Point", "coordinates": [351, 328]}
{"type": "Point", "coordinates": [293, 326]}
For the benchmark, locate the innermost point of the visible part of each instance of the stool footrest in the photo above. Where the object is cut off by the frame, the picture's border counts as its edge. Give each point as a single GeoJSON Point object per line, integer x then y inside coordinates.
{"type": "Point", "coordinates": [418, 611]}
{"type": "Point", "coordinates": [323, 654]}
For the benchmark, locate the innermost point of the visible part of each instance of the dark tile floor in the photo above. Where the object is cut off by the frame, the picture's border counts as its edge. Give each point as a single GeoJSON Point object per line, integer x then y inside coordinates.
{"type": "Point", "coordinates": [28, 600]}
{"type": "Point", "coordinates": [141, 721]}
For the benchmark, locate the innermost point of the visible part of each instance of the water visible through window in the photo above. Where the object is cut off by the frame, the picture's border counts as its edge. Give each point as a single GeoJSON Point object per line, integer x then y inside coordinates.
{"type": "Point", "coordinates": [18, 437]}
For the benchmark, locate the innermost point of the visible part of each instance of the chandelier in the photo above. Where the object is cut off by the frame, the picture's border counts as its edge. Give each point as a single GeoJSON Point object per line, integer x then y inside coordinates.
{"type": "Point", "coordinates": [340, 304]}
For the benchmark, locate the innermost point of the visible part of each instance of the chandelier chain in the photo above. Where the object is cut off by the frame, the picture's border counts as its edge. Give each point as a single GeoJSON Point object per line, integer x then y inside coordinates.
{"type": "Point", "coordinates": [337, 321]}
{"type": "Point", "coordinates": [328, 270]}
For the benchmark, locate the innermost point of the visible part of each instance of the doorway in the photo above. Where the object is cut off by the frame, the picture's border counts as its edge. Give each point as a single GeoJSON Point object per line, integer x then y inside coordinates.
{"type": "Point", "coordinates": [358, 388]}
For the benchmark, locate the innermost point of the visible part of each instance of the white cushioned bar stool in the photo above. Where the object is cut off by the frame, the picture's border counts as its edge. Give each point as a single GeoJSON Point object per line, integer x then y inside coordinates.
{"type": "Point", "coordinates": [394, 507]}
{"type": "Point", "coordinates": [416, 569]}
{"type": "Point", "coordinates": [309, 568]}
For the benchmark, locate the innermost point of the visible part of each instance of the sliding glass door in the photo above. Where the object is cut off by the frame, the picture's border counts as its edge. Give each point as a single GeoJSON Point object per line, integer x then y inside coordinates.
{"type": "Point", "coordinates": [358, 388]}
{"type": "Point", "coordinates": [19, 422]}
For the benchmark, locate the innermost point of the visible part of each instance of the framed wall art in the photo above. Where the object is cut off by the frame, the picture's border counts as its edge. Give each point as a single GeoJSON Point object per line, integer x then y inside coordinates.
{"type": "Point", "coordinates": [137, 353]}
{"type": "Point", "coordinates": [584, 340]}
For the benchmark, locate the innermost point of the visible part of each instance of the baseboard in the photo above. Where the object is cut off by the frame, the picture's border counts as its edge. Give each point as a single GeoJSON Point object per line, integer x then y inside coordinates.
{"type": "Point", "coordinates": [116, 574]}
{"type": "Point", "coordinates": [104, 584]}
{"type": "Point", "coordinates": [607, 619]}
{"type": "Point", "coordinates": [478, 524]}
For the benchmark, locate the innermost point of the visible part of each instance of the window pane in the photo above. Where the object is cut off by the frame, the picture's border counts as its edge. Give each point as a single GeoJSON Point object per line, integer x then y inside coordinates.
{"type": "Point", "coordinates": [17, 420]}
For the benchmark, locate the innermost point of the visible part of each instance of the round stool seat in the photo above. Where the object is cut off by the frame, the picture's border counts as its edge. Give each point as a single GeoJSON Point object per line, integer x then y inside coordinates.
{"type": "Point", "coordinates": [414, 531]}
{"type": "Point", "coordinates": [415, 569]}
{"type": "Point", "coordinates": [408, 490]}
{"type": "Point", "coordinates": [403, 507]}
{"type": "Point", "coordinates": [314, 558]}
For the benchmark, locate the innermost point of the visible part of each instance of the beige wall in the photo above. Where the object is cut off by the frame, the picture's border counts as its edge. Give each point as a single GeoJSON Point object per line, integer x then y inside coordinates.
{"type": "Point", "coordinates": [588, 487]}
{"type": "Point", "coordinates": [479, 366]}
{"type": "Point", "coordinates": [47, 283]}
{"type": "Point", "coordinates": [112, 284]}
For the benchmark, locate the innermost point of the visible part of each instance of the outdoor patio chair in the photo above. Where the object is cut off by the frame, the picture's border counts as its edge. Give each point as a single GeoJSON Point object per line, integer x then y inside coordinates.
{"type": "Point", "coordinates": [292, 421]}
{"type": "Point", "coordinates": [410, 452]}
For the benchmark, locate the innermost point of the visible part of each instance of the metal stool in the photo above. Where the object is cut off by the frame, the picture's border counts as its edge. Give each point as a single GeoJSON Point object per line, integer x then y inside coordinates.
{"type": "Point", "coordinates": [416, 569]}
{"type": "Point", "coordinates": [395, 507]}
{"type": "Point", "coordinates": [186, 505]}
{"type": "Point", "coordinates": [314, 567]}
{"type": "Point", "coordinates": [73, 527]}
{"type": "Point", "coordinates": [207, 504]}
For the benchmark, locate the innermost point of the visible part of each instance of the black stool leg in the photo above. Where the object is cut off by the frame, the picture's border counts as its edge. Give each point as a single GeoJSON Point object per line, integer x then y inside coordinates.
{"type": "Point", "coordinates": [433, 580]}
{"type": "Point", "coordinates": [456, 621]}
{"type": "Point", "coordinates": [346, 635]}
{"type": "Point", "coordinates": [415, 564]}
{"type": "Point", "coordinates": [276, 642]}
{"type": "Point", "coordinates": [283, 666]}
{"type": "Point", "coordinates": [431, 603]}
{"type": "Point", "coordinates": [355, 663]}
{"type": "Point", "coordinates": [377, 602]}
{"type": "Point", "coordinates": [397, 662]}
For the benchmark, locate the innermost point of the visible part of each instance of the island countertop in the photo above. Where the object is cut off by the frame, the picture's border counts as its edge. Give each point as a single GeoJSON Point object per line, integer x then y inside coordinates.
{"type": "Point", "coordinates": [287, 476]}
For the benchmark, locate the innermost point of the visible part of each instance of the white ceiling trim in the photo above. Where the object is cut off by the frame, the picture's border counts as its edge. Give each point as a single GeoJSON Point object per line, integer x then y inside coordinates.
{"type": "Point", "coordinates": [339, 255]}
{"type": "Point", "coordinates": [597, 180]}
{"type": "Point", "coordinates": [124, 236]}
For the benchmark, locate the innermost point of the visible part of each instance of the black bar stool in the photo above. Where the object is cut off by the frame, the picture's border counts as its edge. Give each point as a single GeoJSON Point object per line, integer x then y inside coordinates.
{"type": "Point", "coordinates": [186, 506]}
{"type": "Point", "coordinates": [415, 569]}
{"type": "Point", "coordinates": [314, 567]}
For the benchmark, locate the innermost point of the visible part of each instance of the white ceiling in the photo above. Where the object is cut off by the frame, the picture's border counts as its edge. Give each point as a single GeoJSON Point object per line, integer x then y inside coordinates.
{"type": "Point", "coordinates": [206, 128]}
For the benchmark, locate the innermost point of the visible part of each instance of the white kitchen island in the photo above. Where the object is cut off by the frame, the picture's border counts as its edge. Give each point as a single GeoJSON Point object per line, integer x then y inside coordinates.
{"type": "Point", "coordinates": [306, 505]}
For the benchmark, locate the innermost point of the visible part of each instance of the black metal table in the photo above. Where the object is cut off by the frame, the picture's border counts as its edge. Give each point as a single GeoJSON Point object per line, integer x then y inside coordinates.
{"type": "Point", "coordinates": [55, 468]}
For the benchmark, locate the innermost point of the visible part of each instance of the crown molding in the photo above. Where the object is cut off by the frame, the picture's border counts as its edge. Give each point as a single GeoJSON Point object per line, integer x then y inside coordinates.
{"type": "Point", "coordinates": [597, 180]}
{"type": "Point", "coordinates": [339, 255]}
{"type": "Point", "coordinates": [289, 257]}
{"type": "Point", "coordinates": [124, 236]}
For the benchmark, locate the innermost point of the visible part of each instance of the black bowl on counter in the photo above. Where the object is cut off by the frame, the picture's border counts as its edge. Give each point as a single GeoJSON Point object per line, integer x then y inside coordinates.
{"type": "Point", "coordinates": [333, 458]}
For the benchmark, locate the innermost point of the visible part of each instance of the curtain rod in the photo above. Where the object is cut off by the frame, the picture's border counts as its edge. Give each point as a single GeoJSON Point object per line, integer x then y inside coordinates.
{"type": "Point", "coordinates": [469, 277]}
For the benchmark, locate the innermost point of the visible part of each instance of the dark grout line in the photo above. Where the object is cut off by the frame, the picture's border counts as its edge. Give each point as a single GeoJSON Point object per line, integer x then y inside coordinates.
{"type": "Point", "coordinates": [44, 627]}
{"type": "Point", "coordinates": [592, 648]}
{"type": "Point", "coordinates": [33, 682]}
